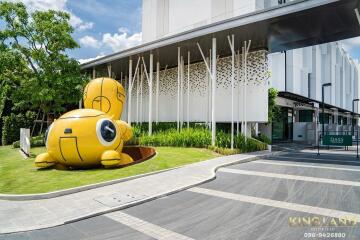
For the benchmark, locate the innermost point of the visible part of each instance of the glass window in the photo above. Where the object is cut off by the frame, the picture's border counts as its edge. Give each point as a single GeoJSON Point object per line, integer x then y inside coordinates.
{"type": "Point", "coordinates": [339, 120]}
{"type": "Point", "coordinates": [345, 121]}
{"type": "Point", "coordinates": [326, 118]}
{"type": "Point", "coordinates": [306, 115]}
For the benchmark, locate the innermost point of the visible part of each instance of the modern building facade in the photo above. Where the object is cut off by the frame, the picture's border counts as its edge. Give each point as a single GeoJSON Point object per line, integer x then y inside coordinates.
{"type": "Point", "coordinates": [162, 18]}
{"type": "Point", "coordinates": [213, 61]}
{"type": "Point", "coordinates": [299, 76]}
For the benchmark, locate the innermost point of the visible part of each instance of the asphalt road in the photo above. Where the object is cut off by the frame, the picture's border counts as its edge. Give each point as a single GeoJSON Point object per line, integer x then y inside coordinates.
{"type": "Point", "coordinates": [262, 199]}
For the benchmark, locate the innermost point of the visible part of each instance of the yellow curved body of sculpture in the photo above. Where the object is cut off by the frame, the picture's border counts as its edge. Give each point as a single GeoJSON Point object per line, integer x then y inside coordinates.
{"type": "Point", "coordinates": [92, 136]}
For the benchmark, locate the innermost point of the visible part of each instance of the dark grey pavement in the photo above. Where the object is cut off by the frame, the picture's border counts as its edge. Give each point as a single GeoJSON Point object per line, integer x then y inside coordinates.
{"type": "Point", "coordinates": [194, 215]}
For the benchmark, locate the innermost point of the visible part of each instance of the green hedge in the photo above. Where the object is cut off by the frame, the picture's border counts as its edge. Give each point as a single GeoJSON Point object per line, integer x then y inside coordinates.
{"type": "Point", "coordinates": [13, 123]}
{"type": "Point", "coordinates": [37, 141]}
{"type": "Point", "coordinates": [186, 138]}
{"type": "Point", "coordinates": [241, 143]}
{"type": "Point", "coordinates": [200, 138]}
{"type": "Point", "coordinates": [263, 138]}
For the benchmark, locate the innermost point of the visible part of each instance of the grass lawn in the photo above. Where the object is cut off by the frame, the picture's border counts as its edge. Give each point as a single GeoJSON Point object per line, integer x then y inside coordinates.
{"type": "Point", "coordinates": [19, 176]}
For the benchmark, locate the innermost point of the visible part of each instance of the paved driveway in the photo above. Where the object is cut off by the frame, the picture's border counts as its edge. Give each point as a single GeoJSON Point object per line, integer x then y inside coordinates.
{"type": "Point", "coordinates": [281, 197]}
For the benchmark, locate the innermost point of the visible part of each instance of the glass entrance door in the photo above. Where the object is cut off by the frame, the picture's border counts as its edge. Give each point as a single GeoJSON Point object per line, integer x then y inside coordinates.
{"type": "Point", "coordinates": [282, 125]}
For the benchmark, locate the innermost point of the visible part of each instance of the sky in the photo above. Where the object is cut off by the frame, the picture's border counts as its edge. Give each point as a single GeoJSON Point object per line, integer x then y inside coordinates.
{"type": "Point", "coordinates": [103, 27]}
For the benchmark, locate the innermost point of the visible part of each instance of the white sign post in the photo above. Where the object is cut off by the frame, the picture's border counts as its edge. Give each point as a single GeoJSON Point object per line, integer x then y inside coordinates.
{"type": "Point", "coordinates": [25, 141]}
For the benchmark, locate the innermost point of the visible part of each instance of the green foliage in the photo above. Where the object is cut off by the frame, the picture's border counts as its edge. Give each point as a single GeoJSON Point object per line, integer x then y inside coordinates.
{"type": "Point", "coordinates": [241, 144]}
{"type": "Point", "coordinates": [263, 138]}
{"type": "Point", "coordinates": [186, 138]}
{"type": "Point", "coordinates": [12, 125]}
{"type": "Point", "coordinates": [37, 68]}
{"type": "Point", "coordinates": [200, 138]}
{"type": "Point", "coordinates": [12, 70]}
{"type": "Point", "coordinates": [224, 151]}
{"type": "Point", "coordinates": [273, 109]}
{"type": "Point", "coordinates": [141, 130]}
{"type": "Point", "coordinates": [37, 141]}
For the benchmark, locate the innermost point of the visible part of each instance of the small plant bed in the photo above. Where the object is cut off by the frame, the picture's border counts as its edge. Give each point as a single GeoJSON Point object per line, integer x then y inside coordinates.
{"type": "Point", "coordinates": [19, 176]}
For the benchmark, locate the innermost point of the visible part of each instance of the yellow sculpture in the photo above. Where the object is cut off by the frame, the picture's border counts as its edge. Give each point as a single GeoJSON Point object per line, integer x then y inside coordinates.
{"type": "Point", "coordinates": [92, 136]}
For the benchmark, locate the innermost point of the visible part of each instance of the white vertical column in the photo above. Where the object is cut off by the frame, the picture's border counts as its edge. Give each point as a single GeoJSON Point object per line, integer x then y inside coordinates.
{"type": "Point", "coordinates": [109, 70]}
{"type": "Point", "coordinates": [138, 92]}
{"type": "Point", "coordinates": [182, 93]}
{"type": "Point", "coordinates": [130, 89]}
{"type": "Point", "coordinates": [126, 83]}
{"type": "Point", "coordinates": [210, 89]}
{"type": "Point", "coordinates": [243, 92]}
{"type": "Point", "coordinates": [208, 79]}
{"type": "Point", "coordinates": [157, 91]}
{"type": "Point", "coordinates": [151, 70]}
{"type": "Point", "coordinates": [245, 88]}
{"type": "Point", "coordinates": [188, 91]}
{"type": "Point", "coordinates": [94, 73]}
{"type": "Point", "coordinates": [141, 97]}
{"type": "Point", "coordinates": [247, 48]}
{"type": "Point", "coordinates": [178, 93]}
{"type": "Point", "coordinates": [213, 85]}
{"type": "Point", "coordinates": [231, 43]}
{"type": "Point", "coordinates": [238, 91]}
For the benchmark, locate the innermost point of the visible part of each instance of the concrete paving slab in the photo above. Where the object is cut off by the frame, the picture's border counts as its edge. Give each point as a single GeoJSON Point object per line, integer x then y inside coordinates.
{"type": "Point", "coordinates": [202, 217]}
{"type": "Point", "coordinates": [83, 204]}
{"type": "Point", "coordinates": [338, 197]}
{"type": "Point", "coordinates": [95, 228]}
{"type": "Point", "coordinates": [338, 172]}
{"type": "Point", "coordinates": [296, 177]}
{"type": "Point", "coordinates": [147, 228]}
{"type": "Point", "coordinates": [119, 199]}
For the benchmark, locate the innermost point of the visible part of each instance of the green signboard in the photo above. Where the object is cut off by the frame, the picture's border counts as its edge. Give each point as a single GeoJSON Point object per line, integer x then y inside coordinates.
{"type": "Point", "coordinates": [337, 140]}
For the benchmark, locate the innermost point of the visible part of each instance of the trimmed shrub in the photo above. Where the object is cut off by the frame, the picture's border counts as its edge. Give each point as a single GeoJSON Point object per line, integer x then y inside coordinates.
{"type": "Point", "coordinates": [263, 138]}
{"type": "Point", "coordinates": [186, 138]}
{"type": "Point", "coordinates": [37, 141]}
{"type": "Point", "coordinates": [200, 138]}
{"type": "Point", "coordinates": [13, 123]}
{"type": "Point", "coordinates": [224, 151]}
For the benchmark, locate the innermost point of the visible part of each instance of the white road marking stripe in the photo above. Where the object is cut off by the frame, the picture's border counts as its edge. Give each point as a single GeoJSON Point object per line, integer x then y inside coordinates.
{"type": "Point", "coordinates": [317, 159]}
{"type": "Point", "coordinates": [305, 166]}
{"type": "Point", "coordinates": [278, 204]}
{"type": "Point", "coordinates": [147, 228]}
{"type": "Point", "coordinates": [291, 177]}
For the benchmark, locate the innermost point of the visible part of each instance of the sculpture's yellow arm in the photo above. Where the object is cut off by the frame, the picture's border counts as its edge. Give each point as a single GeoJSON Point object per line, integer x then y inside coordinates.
{"type": "Point", "coordinates": [125, 130]}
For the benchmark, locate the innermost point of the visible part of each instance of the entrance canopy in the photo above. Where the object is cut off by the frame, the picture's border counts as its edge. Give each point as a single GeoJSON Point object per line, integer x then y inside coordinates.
{"type": "Point", "coordinates": [296, 24]}
{"type": "Point", "coordinates": [302, 99]}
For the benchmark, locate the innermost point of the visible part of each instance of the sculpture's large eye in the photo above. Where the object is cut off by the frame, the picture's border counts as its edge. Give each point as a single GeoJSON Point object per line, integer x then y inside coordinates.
{"type": "Point", "coordinates": [106, 131]}
{"type": "Point", "coordinates": [47, 134]}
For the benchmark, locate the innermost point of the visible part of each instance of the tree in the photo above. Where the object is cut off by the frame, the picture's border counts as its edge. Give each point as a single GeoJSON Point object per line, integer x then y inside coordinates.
{"type": "Point", "coordinates": [12, 69]}
{"type": "Point", "coordinates": [47, 78]}
{"type": "Point", "coordinates": [273, 109]}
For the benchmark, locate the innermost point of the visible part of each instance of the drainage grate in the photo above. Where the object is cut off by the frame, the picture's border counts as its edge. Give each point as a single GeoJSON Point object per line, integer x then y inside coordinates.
{"type": "Point", "coordinates": [119, 199]}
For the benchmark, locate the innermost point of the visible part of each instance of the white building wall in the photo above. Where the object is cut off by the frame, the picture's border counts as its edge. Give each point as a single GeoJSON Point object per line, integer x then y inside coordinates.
{"type": "Point", "coordinates": [322, 63]}
{"type": "Point", "coordinates": [257, 93]}
{"type": "Point", "coordinates": [276, 66]}
{"type": "Point", "coordinates": [167, 17]}
{"type": "Point", "coordinates": [325, 63]}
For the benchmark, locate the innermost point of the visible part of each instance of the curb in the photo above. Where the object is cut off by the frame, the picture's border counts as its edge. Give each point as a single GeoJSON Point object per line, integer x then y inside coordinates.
{"type": "Point", "coordinates": [250, 159]}
{"type": "Point", "coordinates": [135, 203]}
{"type": "Point", "coordinates": [42, 196]}
{"type": "Point", "coordinates": [59, 193]}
